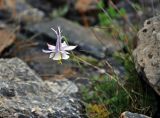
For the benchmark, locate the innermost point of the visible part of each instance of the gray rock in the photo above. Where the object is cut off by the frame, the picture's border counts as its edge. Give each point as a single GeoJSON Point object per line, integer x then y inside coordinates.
{"type": "Point", "coordinates": [22, 5]}
{"type": "Point", "coordinates": [47, 5]}
{"type": "Point", "coordinates": [128, 114]}
{"type": "Point", "coordinates": [24, 94]}
{"type": "Point", "coordinates": [26, 13]}
{"type": "Point", "coordinates": [147, 53]}
{"type": "Point", "coordinates": [31, 15]}
{"type": "Point", "coordinates": [76, 34]}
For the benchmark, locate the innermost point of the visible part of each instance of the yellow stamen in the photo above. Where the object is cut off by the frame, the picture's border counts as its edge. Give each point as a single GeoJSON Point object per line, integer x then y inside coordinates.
{"type": "Point", "coordinates": [60, 61]}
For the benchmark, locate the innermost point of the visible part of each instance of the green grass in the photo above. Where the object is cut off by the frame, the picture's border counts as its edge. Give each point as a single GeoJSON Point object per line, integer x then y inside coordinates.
{"type": "Point", "coordinates": [107, 93]}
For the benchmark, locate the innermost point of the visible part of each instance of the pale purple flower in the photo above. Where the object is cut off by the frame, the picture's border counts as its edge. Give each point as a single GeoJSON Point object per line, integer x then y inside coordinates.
{"type": "Point", "coordinates": [59, 51]}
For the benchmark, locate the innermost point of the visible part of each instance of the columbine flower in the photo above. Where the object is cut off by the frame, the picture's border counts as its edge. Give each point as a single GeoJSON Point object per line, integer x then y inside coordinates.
{"type": "Point", "coordinates": [59, 51]}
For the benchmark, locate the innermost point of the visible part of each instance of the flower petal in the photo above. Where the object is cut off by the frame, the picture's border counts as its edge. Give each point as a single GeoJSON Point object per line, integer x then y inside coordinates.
{"type": "Point", "coordinates": [69, 47]}
{"type": "Point", "coordinates": [57, 56]}
{"type": "Point", "coordinates": [65, 56]}
{"type": "Point", "coordinates": [59, 30]}
{"type": "Point", "coordinates": [54, 31]}
{"type": "Point", "coordinates": [47, 51]}
{"type": "Point", "coordinates": [64, 44]}
{"type": "Point", "coordinates": [51, 55]}
{"type": "Point", "coordinates": [51, 47]}
{"type": "Point", "coordinates": [67, 52]}
{"type": "Point", "coordinates": [63, 51]}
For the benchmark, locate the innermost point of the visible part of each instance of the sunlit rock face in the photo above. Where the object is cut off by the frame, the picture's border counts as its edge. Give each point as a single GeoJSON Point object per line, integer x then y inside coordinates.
{"type": "Point", "coordinates": [147, 53]}
{"type": "Point", "coordinates": [24, 94]}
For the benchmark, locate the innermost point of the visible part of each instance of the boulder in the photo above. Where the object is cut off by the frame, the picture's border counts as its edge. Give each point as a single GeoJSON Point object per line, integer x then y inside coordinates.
{"type": "Point", "coordinates": [147, 53]}
{"type": "Point", "coordinates": [24, 94]}
{"type": "Point", "coordinates": [128, 114]}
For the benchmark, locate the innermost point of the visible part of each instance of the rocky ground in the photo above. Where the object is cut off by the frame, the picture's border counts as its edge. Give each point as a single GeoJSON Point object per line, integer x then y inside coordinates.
{"type": "Point", "coordinates": [24, 94]}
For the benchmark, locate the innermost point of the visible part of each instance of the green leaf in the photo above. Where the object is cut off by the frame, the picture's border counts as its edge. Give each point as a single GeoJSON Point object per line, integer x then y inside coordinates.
{"type": "Point", "coordinates": [104, 20]}
{"type": "Point", "coordinates": [112, 12]}
{"type": "Point", "coordinates": [100, 4]}
{"type": "Point", "coordinates": [122, 12]}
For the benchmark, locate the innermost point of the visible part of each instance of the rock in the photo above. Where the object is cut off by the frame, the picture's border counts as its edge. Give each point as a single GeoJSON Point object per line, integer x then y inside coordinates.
{"type": "Point", "coordinates": [2, 25]}
{"type": "Point", "coordinates": [26, 13]}
{"type": "Point", "coordinates": [47, 5]}
{"type": "Point", "coordinates": [24, 94]}
{"type": "Point", "coordinates": [76, 34]}
{"type": "Point", "coordinates": [147, 53]}
{"type": "Point", "coordinates": [31, 15]}
{"type": "Point", "coordinates": [22, 5]}
{"type": "Point", "coordinates": [11, 8]}
{"type": "Point", "coordinates": [20, 11]}
{"type": "Point", "coordinates": [7, 38]}
{"type": "Point", "coordinates": [128, 114]}
{"type": "Point", "coordinates": [4, 15]}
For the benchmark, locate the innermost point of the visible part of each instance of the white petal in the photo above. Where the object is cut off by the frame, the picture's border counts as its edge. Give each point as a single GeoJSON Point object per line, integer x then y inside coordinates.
{"type": "Point", "coordinates": [64, 44]}
{"type": "Point", "coordinates": [54, 31]}
{"type": "Point", "coordinates": [65, 56]}
{"type": "Point", "coordinates": [57, 56]}
{"type": "Point", "coordinates": [59, 29]}
{"type": "Point", "coordinates": [51, 55]}
{"type": "Point", "coordinates": [63, 51]}
{"type": "Point", "coordinates": [51, 47]}
{"type": "Point", "coordinates": [67, 52]}
{"type": "Point", "coordinates": [47, 51]}
{"type": "Point", "coordinates": [69, 47]}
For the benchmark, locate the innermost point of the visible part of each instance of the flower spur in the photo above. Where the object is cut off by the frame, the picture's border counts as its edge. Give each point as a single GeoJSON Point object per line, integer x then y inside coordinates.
{"type": "Point", "coordinates": [59, 51]}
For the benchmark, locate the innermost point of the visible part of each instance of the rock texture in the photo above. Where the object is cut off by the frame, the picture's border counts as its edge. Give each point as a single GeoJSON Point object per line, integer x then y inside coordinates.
{"type": "Point", "coordinates": [147, 53]}
{"type": "Point", "coordinates": [128, 114]}
{"type": "Point", "coordinates": [24, 95]}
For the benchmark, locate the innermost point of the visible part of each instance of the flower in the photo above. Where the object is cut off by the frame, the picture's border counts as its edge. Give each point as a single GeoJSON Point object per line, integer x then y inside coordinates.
{"type": "Point", "coordinates": [59, 51]}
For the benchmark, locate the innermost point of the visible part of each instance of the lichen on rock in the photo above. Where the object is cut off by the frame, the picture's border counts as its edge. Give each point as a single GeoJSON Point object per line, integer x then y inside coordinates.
{"type": "Point", "coordinates": [147, 53]}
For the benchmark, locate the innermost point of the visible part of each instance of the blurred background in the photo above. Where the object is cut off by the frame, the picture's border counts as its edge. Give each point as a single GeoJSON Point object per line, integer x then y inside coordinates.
{"type": "Point", "coordinates": [105, 32]}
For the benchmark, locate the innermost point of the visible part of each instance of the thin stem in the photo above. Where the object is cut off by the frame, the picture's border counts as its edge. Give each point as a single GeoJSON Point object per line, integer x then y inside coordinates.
{"type": "Point", "coordinates": [112, 77]}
